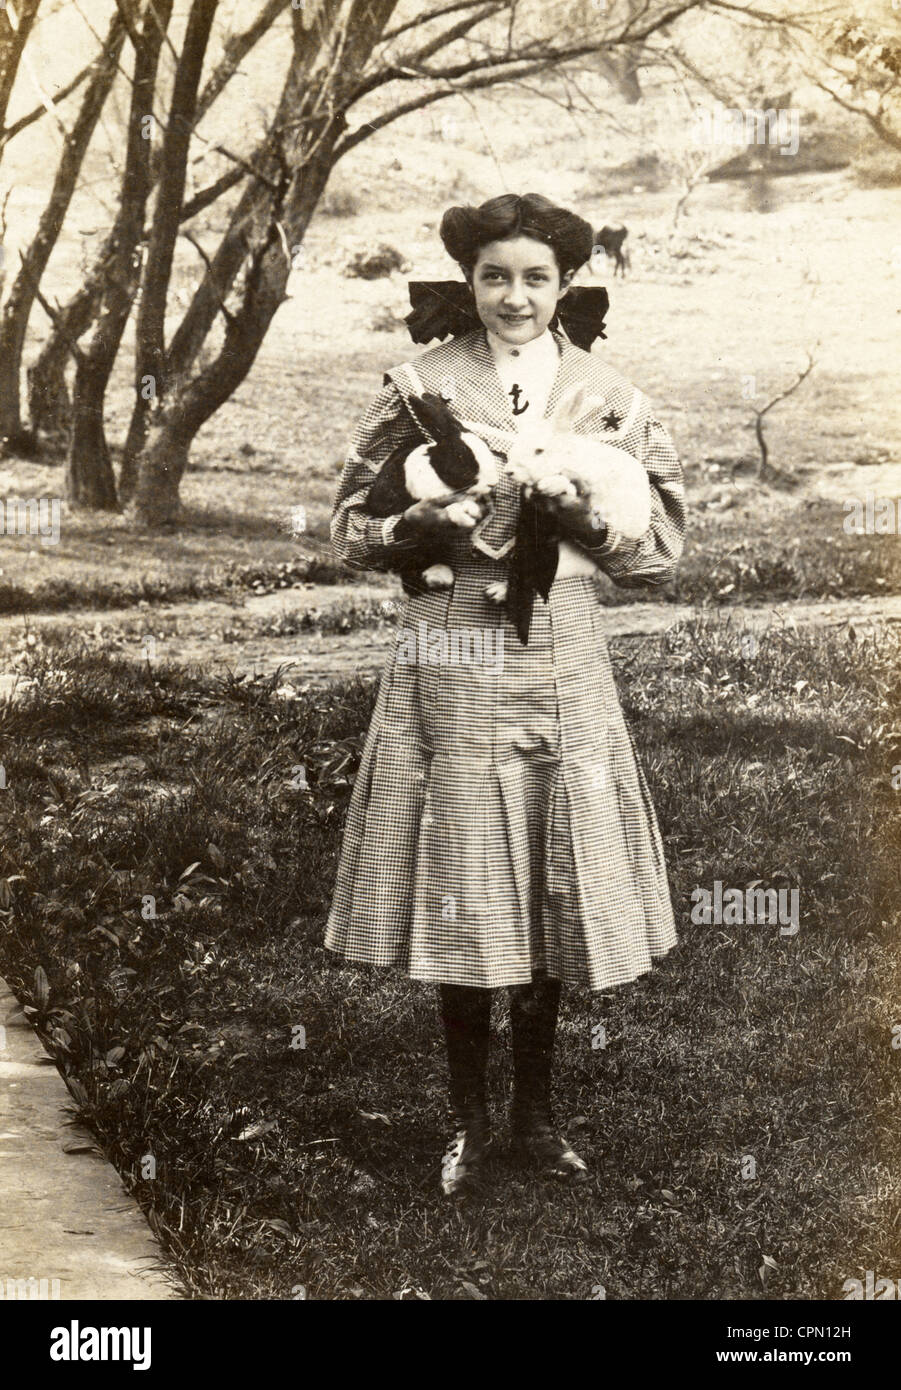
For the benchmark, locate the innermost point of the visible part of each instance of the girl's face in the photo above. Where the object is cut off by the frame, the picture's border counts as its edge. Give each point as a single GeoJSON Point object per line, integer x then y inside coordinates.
{"type": "Point", "coordinates": [517, 283]}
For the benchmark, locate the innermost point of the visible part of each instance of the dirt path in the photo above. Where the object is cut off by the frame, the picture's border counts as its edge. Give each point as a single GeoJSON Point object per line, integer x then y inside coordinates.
{"type": "Point", "coordinates": [220, 636]}
{"type": "Point", "coordinates": [323, 659]}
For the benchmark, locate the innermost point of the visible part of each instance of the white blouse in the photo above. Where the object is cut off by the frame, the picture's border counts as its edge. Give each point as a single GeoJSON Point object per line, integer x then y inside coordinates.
{"type": "Point", "coordinates": [527, 373]}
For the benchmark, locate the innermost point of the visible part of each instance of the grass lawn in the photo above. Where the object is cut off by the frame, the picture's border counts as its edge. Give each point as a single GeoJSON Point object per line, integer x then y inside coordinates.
{"type": "Point", "coordinates": [163, 890]}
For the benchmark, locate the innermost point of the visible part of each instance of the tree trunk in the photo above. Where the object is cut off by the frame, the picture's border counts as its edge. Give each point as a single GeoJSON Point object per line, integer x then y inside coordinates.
{"type": "Point", "coordinates": [49, 405]}
{"type": "Point", "coordinates": [48, 396]}
{"type": "Point", "coordinates": [89, 473]}
{"type": "Point", "coordinates": [231, 254]}
{"type": "Point", "coordinates": [131, 453]}
{"type": "Point", "coordinates": [17, 310]}
{"type": "Point", "coordinates": [159, 469]}
{"type": "Point", "coordinates": [150, 355]}
{"type": "Point", "coordinates": [161, 463]}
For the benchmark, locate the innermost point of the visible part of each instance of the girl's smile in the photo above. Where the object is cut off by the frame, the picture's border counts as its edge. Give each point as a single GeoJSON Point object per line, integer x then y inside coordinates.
{"type": "Point", "coordinates": [516, 284]}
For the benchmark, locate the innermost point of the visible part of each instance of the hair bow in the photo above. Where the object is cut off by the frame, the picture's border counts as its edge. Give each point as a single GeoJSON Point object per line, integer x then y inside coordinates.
{"type": "Point", "coordinates": [446, 309]}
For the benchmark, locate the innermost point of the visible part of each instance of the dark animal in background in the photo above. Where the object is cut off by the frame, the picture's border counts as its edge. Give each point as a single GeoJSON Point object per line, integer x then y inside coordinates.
{"type": "Point", "coordinates": [456, 461]}
{"type": "Point", "coordinates": [611, 239]}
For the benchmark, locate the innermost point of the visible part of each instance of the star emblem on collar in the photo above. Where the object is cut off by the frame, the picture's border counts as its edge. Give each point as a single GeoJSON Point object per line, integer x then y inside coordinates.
{"type": "Point", "coordinates": [612, 421]}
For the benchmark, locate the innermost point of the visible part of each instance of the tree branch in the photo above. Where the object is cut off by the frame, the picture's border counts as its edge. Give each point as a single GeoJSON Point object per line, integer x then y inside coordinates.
{"type": "Point", "coordinates": [449, 36]}
{"type": "Point", "coordinates": [534, 52]}
{"type": "Point", "coordinates": [208, 195]}
{"type": "Point", "coordinates": [422, 19]}
{"type": "Point", "coordinates": [56, 100]}
{"type": "Point", "coordinates": [226, 312]}
{"type": "Point", "coordinates": [500, 70]}
{"type": "Point", "coordinates": [236, 50]}
{"type": "Point", "coordinates": [882, 130]}
{"type": "Point", "coordinates": [406, 67]}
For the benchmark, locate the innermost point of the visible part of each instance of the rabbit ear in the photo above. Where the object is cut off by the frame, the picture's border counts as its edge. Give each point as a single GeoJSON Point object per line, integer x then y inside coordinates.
{"type": "Point", "coordinates": [435, 416]}
{"type": "Point", "coordinates": [575, 402]}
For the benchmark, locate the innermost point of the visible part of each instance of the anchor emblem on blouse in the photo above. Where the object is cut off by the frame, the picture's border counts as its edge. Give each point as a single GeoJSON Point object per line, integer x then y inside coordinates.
{"type": "Point", "coordinates": [516, 391]}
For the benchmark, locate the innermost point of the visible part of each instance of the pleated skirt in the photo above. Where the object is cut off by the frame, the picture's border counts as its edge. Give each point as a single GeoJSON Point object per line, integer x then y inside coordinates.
{"type": "Point", "coordinates": [500, 826]}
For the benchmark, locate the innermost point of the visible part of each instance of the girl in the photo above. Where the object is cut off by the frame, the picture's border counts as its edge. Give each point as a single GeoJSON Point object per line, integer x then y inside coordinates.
{"type": "Point", "coordinates": [500, 831]}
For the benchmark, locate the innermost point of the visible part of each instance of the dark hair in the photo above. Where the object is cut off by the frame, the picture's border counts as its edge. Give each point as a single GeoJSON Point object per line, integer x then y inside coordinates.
{"type": "Point", "coordinates": [465, 231]}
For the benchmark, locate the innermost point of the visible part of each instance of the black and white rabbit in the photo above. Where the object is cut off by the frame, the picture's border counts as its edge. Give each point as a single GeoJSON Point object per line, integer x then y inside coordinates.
{"type": "Point", "coordinates": [456, 461]}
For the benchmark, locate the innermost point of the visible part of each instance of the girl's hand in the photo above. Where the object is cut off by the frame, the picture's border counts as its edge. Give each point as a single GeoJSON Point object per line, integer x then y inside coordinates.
{"type": "Point", "coordinates": [575, 514]}
{"type": "Point", "coordinates": [441, 515]}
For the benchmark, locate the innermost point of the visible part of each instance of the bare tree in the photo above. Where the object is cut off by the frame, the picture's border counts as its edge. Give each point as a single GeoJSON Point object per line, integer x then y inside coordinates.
{"type": "Point", "coordinates": [766, 469]}
{"type": "Point", "coordinates": [50, 408]}
{"type": "Point", "coordinates": [22, 294]}
{"type": "Point", "coordinates": [89, 474]}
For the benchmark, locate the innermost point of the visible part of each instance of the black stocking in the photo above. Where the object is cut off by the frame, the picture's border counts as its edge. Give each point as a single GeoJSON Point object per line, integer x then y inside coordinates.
{"type": "Point", "coordinates": [466, 1015]}
{"type": "Point", "coordinates": [533, 1021]}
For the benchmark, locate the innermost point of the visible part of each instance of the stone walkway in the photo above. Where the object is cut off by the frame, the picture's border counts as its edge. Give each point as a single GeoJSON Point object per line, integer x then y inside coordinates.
{"type": "Point", "coordinates": [64, 1216]}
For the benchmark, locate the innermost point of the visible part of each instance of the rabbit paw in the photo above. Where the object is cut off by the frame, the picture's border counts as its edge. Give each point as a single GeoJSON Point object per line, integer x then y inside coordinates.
{"type": "Point", "coordinates": [496, 592]}
{"type": "Point", "coordinates": [556, 485]}
{"type": "Point", "coordinates": [438, 577]}
{"type": "Point", "coordinates": [465, 513]}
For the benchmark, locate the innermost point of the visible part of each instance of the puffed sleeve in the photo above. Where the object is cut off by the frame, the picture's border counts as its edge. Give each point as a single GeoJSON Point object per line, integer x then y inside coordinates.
{"type": "Point", "coordinates": [360, 540]}
{"type": "Point", "coordinates": [652, 559]}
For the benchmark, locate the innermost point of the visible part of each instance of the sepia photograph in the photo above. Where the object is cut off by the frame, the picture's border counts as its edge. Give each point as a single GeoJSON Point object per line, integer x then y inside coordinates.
{"type": "Point", "coordinates": [450, 666]}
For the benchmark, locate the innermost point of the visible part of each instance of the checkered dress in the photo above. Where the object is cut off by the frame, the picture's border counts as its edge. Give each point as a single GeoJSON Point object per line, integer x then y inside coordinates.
{"type": "Point", "coordinates": [500, 824]}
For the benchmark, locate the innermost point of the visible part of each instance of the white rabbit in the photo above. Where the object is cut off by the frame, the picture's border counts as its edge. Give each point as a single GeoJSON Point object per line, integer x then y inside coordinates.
{"type": "Point", "coordinates": [550, 458]}
{"type": "Point", "coordinates": [554, 460]}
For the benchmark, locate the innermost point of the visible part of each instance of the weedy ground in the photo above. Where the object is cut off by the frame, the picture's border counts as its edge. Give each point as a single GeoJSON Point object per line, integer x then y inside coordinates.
{"type": "Point", "coordinates": [165, 874]}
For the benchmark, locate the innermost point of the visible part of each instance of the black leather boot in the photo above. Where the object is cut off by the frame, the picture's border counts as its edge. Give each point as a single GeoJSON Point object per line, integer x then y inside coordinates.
{"type": "Point", "coordinates": [533, 1020]}
{"type": "Point", "coordinates": [466, 1015]}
